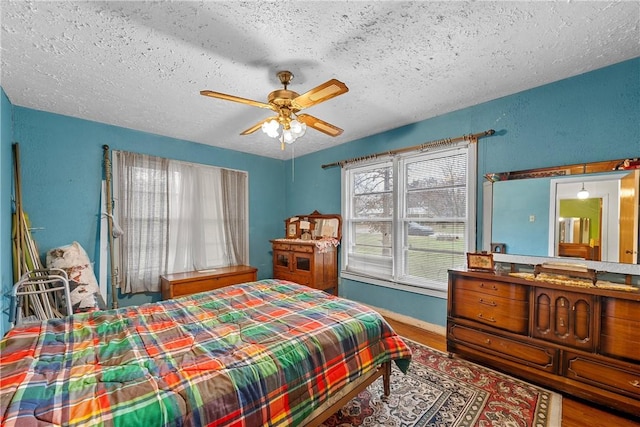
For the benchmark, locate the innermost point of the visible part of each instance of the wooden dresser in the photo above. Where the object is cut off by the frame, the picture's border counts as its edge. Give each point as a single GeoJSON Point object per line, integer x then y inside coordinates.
{"type": "Point", "coordinates": [180, 284]}
{"type": "Point", "coordinates": [305, 263]}
{"type": "Point", "coordinates": [582, 341]}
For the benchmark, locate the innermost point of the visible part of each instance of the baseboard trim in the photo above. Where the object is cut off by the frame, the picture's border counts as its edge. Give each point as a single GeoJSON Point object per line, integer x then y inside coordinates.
{"type": "Point", "coordinates": [437, 329]}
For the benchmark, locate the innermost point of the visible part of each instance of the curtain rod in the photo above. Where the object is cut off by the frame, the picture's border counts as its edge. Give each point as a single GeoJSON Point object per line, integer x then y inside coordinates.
{"type": "Point", "coordinates": [446, 141]}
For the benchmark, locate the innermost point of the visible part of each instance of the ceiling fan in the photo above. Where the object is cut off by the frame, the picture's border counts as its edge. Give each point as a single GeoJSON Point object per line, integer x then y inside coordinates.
{"type": "Point", "coordinates": [287, 103]}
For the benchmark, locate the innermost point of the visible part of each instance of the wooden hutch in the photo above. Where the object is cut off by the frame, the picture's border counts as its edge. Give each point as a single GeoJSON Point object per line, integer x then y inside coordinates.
{"type": "Point", "coordinates": [308, 255]}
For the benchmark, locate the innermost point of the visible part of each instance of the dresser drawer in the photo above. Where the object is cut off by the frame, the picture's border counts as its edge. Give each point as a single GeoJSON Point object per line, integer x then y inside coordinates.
{"type": "Point", "coordinates": [620, 328]}
{"type": "Point", "coordinates": [281, 246]}
{"type": "Point", "coordinates": [302, 248]}
{"type": "Point", "coordinates": [489, 287]}
{"type": "Point", "coordinates": [621, 309]}
{"type": "Point", "coordinates": [622, 378]}
{"type": "Point", "coordinates": [620, 337]}
{"type": "Point", "coordinates": [528, 354]}
{"type": "Point", "coordinates": [503, 313]}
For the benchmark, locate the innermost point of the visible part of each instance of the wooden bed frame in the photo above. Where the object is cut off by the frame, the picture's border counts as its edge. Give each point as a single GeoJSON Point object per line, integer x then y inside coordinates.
{"type": "Point", "coordinates": [345, 395]}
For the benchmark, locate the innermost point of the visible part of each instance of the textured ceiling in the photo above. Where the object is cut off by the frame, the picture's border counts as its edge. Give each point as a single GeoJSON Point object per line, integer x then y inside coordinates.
{"type": "Point", "coordinates": [141, 65]}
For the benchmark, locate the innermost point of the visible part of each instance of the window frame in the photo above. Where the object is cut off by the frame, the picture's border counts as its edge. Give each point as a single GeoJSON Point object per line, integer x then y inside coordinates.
{"type": "Point", "coordinates": [398, 279]}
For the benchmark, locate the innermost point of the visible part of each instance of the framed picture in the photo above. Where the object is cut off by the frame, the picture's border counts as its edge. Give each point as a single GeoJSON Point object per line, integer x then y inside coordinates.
{"type": "Point", "coordinates": [480, 261]}
{"type": "Point", "coordinates": [292, 226]}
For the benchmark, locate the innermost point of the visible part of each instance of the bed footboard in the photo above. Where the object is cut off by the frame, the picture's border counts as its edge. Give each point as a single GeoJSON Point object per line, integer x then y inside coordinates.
{"type": "Point", "coordinates": [330, 407]}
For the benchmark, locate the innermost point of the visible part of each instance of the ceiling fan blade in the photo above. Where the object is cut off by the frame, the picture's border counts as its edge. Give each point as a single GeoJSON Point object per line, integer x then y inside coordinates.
{"type": "Point", "coordinates": [320, 125]}
{"type": "Point", "coordinates": [319, 94]}
{"type": "Point", "coordinates": [235, 99]}
{"type": "Point", "coordinates": [257, 126]}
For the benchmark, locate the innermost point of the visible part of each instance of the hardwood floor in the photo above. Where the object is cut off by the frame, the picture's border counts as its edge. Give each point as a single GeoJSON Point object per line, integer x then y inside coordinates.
{"type": "Point", "coordinates": [575, 413]}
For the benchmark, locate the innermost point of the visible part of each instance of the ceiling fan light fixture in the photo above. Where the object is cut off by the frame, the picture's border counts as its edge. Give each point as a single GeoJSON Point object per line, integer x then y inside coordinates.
{"type": "Point", "coordinates": [271, 128]}
{"type": "Point", "coordinates": [287, 125]}
{"type": "Point", "coordinates": [295, 130]}
{"type": "Point", "coordinates": [298, 128]}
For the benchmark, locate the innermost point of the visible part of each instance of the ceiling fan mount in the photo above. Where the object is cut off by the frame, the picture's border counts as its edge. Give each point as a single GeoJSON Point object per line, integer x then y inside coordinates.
{"type": "Point", "coordinates": [285, 77]}
{"type": "Point", "coordinates": [283, 97]}
{"type": "Point", "coordinates": [287, 103]}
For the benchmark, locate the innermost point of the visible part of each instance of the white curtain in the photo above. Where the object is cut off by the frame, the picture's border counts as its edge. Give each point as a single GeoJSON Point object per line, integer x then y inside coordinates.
{"type": "Point", "coordinates": [197, 215]}
{"type": "Point", "coordinates": [234, 192]}
{"type": "Point", "coordinates": [140, 191]}
{"type": "Point", "coordinates": [196, 226]}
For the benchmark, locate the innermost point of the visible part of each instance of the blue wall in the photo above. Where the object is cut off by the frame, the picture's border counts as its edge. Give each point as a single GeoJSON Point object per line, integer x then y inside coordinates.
{"type": "Point", "coordinates": [6, 272]}
{"type": "Point", "coordinates": [61, 161]}
{"type": "Point", "coordinates": [511, 211]}
{"type": "Point", "coordinates": [590, 117]}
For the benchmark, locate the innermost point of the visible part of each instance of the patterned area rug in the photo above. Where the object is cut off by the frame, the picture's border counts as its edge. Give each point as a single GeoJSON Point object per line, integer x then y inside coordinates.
{"type": "Point", "coordinates": [439, 391]}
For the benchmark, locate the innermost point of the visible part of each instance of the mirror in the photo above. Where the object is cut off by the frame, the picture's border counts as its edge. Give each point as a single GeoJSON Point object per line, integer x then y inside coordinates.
{"type": "Point", "coordinates": [314, 226]}
{"type": "Point", "coordinates": [538, 212]}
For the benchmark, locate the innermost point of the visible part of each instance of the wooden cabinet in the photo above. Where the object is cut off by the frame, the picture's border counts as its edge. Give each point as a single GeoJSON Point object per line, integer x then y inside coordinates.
{"type": "Point", "coordinates": [581, 341]}
{"type": "Point", "coordinates": [306, 263]}
{"type": "Point", "coordinates": [181, 284]}
{"type": "Point", "coordinates": [564, 317]}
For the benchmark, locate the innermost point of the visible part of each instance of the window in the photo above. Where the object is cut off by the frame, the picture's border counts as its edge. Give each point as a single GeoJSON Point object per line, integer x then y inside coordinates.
{"type": "Point", "coordinates": [176, 216]}
{"type": "Point", "coordinates": [410, 218]}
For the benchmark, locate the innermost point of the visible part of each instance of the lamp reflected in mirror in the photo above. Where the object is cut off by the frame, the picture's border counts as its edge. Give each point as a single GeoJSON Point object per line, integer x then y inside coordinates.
{"type": "Point", "coordinates": [583, 193]}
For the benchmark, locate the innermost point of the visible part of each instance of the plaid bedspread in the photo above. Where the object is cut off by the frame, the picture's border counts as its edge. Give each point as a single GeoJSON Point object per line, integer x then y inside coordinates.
{"type": "Point", "coordinates": [260, 353]}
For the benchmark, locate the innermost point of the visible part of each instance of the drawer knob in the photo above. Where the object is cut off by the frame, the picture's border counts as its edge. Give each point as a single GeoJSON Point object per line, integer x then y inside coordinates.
{"type": "Point", "coordinates": [490, 319]}
{"type": "Point", "coordinates": [635, 383]}
{"type": "Point", "coordinates": [492, 287]}
{"type": "Point", "coordinates": [488, 341]}
{"type": "Point", "coordinates": [489, 303]}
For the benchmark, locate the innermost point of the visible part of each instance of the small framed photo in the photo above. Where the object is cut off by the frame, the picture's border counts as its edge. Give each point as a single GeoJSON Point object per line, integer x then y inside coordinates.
{"type": "Point", "coordinates": [293, 228]}
{"type": "Point", "coordinates": [480, 261]}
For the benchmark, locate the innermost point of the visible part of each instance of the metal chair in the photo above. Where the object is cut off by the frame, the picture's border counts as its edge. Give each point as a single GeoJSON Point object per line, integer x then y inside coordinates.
{"type": "Point", "coordinates": [40, 295]}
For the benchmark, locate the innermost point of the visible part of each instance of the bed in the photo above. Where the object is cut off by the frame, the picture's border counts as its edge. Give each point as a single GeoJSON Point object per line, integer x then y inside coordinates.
{"type": "Point", "coordinates": [269, 352]}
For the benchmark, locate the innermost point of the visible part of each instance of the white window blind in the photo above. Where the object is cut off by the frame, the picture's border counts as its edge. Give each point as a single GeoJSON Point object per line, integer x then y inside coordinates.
{"type": "Point", "coordinates": [411, 218]}
{"type": "Point", "coordinates": [370, 220]}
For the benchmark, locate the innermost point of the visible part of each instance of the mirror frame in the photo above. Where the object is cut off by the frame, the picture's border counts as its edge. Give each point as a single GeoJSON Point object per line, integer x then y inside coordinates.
{"type": "Point", "coordinates": [575, 169]}
{"type": "Point", "coordinates": [555, 171]}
